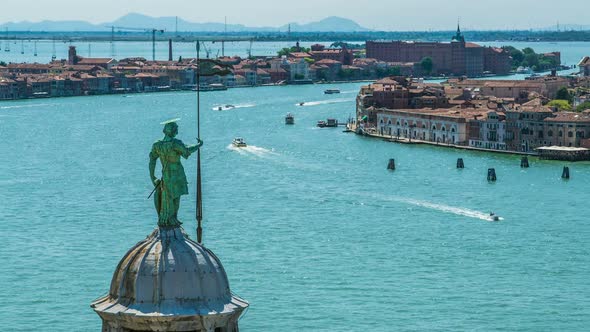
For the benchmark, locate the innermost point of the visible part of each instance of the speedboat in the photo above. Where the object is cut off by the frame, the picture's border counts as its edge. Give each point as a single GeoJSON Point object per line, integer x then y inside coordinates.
{"type": "Point", "coordinates": [225, 107]}
{"type": "Point", "coordinates": [494, 217]}
{"type": "Point", "coordinates": [301, 103]}
{"type": "Point", "coordinates": [289, 119]}
{"type": "Point", "coordinates": [331, 91]}
{"type": "Point", "coordinates": [239, 142]}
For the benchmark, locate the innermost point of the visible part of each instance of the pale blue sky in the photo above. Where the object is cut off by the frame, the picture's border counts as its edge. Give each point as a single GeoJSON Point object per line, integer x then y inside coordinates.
{"type": "Point", "coordinates": [376, 14]}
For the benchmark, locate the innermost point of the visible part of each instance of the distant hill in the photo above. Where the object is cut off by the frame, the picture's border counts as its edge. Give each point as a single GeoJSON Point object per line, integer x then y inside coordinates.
{"type": "Point", "coordinates": [333, 23]}
{"type": "Point", "coordinates": [135, 20]}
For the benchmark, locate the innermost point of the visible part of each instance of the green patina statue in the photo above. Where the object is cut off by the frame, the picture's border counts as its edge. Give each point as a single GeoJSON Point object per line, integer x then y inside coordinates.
{"type": "Point", "coordinates": [173, 183]}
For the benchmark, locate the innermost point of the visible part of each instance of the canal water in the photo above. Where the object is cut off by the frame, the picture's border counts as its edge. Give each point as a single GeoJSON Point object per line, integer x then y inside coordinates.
{"type": "Point", "coordinates": [311, 227]}
{"type": "Point", "coordinates": [24, 51]}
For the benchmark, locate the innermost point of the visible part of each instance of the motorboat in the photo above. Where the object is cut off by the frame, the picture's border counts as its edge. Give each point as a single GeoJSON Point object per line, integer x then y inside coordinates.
{"type": "Point", "coordinates": [494, 217]}
{"type": "Point", "coordinates": [321, 124]}
{"type": "Point", "coordinates": [331, 91]}
{"type": "Point", "coordinates": [289, 119]}
{"type": "Point", "coordinates": [301, 103]}
{"type": "Point", "coordinates": [239, 142]}
{"type": "Point", "coordinates": [225, 107]}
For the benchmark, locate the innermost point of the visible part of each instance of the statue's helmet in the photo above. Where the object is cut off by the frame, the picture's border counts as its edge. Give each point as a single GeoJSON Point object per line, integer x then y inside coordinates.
{"type": "Point", "coordinates": [170, 127]}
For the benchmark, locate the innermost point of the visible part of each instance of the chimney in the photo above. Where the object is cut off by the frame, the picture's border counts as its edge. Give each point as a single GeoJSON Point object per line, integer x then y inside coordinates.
{"type": "Point", "coordinates": [169, 49]}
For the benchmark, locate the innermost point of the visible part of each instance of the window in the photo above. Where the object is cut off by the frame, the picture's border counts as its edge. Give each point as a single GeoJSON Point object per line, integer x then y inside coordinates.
{"type": "Point", "coordinates": [560, 134]}
{"type": "Point", "coordinates": [550, 133]}
{"type": "Point", "coordinates": [570, 134]}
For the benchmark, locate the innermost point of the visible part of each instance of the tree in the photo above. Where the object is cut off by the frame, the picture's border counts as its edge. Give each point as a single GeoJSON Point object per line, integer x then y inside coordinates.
{"type": "Point", "coordinates": [287, 50]}
{"type": "Point", "coordinates": [528, 51]}
{"type": "Point", "coordinates": [564, 94]}
{"type": "Point", "coordinates": [561, 105]}
{"type": "Point", "coordinates": [2, 63]}
{"type": "Point", "coordinates": [583, 106]}
{"type": "Point", "coordinates": [426, 65]}
{"type": "Point", "coordinates": [516, 54]}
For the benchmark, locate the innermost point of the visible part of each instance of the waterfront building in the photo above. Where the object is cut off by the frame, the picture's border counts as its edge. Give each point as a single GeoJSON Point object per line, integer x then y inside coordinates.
{"type": "Point", "coordinates": [8, 89]}
{"type": "Point", "coordinates": [299, 70]}
{"type": "Point", "coordinates": [342, 55]}
{"type": "Point", "coordinates": [488, 131]}
{"type": "Point", "coordinates": [584, 66]}
{"type": "Point", "coordinates": [75, 59]}
{"type": "Point", "coordinates": [445, 126]}
{"type": "Point", "coordinates": [454, 58]}
{"type": "Point", "coordinates": [399, 93]}
{"type": "Point", "coordinates": [519, 90]}
{"type": "Point", "coordinates": [568, 129]}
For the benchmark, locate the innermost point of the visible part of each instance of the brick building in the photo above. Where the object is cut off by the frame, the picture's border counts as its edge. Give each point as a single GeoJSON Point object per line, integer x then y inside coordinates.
{"type": "Point", "coordinates": [454, 58]}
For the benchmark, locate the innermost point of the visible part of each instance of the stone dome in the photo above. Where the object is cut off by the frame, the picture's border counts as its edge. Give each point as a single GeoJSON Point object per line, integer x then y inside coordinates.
{"type": "Point", "coordinates": [168, 282]}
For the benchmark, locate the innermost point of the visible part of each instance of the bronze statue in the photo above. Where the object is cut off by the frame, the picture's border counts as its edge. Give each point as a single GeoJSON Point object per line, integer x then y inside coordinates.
{"type": "Point", "coordinates": [173, 183]}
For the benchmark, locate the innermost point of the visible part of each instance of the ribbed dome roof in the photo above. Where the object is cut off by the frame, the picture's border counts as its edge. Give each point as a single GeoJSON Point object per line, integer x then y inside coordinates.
{"type": "Point", "coordinates": [168, 274]}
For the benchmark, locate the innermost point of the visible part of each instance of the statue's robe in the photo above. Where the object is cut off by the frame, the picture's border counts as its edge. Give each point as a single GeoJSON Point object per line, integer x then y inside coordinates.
{"type": "Point", "coordinates": [174, 183]}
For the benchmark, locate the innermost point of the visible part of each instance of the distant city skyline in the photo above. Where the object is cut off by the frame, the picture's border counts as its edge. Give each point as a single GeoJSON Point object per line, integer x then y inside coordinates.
{"type": "Point", "coordinates": [385, 15]}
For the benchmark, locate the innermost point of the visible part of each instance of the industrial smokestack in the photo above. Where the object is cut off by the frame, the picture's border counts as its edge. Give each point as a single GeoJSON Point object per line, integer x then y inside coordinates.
{"type": "Point", "coordinates": [169, 49]}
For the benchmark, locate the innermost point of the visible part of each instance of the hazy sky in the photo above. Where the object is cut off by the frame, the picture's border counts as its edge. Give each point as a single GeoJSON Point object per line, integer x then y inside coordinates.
{"type": "Point", "coordinates": [375, 14]}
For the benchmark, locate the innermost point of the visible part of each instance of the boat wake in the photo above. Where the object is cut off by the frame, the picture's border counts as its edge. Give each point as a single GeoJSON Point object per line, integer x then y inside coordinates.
{"type": "Point", "coordinates": [252, 150]}
{"type": "Point", "coordinates": [231, 107]}
{"type": "Point", "coordinates": [25, 106]}
{"type": "Point", "coordinates": [439, 207]}
{"type": "Point", "coordinates": [324, 102]}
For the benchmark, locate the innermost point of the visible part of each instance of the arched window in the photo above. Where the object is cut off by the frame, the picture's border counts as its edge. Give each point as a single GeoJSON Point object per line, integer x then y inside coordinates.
{"type": "Point", "coordinates": [433, 127]}
{"type": "Point", "coordinates": [560, 134]}
{"type": "Point", "coordinates": [381, 121]}
{"type": "Point", "coordinates": [453, 130]}
{"type": "Point", "coordinates": [570, 134]}
{"type": "Point", "coordinates": [423, 126]}
{"type": "Point", "coordinates": [550, 133]}
{"type": "Point", "coordinates": [444, 129]}
{"type": "Point", "coordinates": [389, 122]}
{"type": "Point", "coordinates": [397, 123]}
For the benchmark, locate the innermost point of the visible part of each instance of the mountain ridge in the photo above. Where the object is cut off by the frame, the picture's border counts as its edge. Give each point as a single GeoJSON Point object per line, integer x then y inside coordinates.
{"type": "Point", "coordinates": [170, 24]}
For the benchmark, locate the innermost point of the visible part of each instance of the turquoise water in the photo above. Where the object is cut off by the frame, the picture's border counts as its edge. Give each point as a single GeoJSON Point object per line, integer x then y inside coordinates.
{"type": "Point", "coordinates": [310, 226]}
{"type": "Point", "coordinates": [572, 52]}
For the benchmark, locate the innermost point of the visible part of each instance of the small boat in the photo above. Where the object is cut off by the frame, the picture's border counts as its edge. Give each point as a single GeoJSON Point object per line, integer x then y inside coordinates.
{"type": "Point", "coordinates": [226, 107]}
{"type": "Point", "coordinates": [239, 142]}
{"type": "Point", "coordinates": [289, 119]}
{"type": "Point", "coordinates": [494, 217]}
{"type": "Point", "coordinates": [321, 124]}
{"type": "Point", "coordinates": [331, 91]}
{"type": "Point", "coordinates": [301, 103]}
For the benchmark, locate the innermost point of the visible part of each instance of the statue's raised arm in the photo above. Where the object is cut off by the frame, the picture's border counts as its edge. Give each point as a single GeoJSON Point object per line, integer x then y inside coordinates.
{"type": "Point", "coordinates": [173, 183]}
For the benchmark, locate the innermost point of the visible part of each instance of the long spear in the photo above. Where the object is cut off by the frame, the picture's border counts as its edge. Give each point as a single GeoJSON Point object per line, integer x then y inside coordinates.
{"type": "Point", "coordinates": [199, 193]}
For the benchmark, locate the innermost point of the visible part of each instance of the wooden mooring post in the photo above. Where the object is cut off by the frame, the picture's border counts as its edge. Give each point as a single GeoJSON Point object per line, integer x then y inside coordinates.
{"type": "Point", "coordinates": [491, 174]}
{"type": "Point", "coordinates": [391, 165]}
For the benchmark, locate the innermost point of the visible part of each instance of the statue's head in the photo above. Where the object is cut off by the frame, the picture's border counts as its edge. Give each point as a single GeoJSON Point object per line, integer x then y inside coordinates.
{"type": "Point", "coordinates": [171, 129]}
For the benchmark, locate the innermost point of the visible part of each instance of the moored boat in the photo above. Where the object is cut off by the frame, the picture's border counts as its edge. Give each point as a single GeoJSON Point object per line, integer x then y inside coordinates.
{"type": "Point", "coordinates": [331, 91]}
{"type": "Point", "coordinates": [289, 119]}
